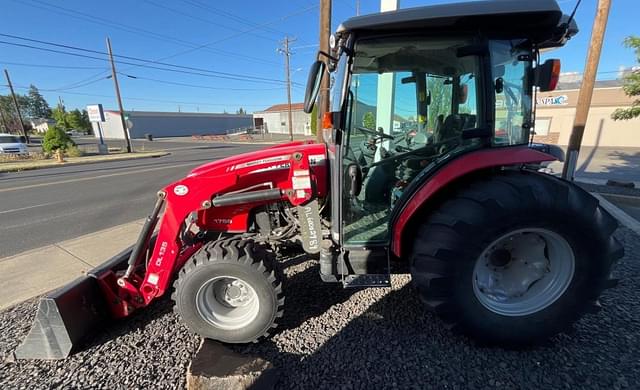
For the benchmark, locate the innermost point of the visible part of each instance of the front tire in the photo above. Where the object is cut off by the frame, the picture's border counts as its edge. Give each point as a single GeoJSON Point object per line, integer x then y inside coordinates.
{"type": "Point", "coordinates": [228, 291]}
{"type": "Point", "coordinates": [515, 257]}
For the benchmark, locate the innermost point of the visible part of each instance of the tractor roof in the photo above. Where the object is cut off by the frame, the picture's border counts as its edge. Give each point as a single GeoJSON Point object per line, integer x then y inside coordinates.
{"type": "Point", "coordinates": [535, 19]}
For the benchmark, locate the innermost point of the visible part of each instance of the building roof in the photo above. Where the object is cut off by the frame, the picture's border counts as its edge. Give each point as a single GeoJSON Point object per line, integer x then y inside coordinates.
{"type": "Point", "coordinates": [178, 114]}
{"type": "Point", "coordinates": [284, 107]}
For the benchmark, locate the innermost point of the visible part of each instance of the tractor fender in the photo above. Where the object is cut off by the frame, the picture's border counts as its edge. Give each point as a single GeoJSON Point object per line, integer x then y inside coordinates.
{"type": "Point", "coordinates": [439, 179]}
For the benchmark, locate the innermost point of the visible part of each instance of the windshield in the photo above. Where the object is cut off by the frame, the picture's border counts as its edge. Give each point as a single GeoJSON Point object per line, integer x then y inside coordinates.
{"type": "Point", "coordinates": [418, 91]}
{"type": "Point", "coordinates": [9, 139]}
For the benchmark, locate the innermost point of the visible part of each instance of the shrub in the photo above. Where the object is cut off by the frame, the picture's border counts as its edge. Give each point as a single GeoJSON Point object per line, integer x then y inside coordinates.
{"type": "Point", "coordinates": [56, 139]}
{"type": "Point", "coordinates": [73, 151]}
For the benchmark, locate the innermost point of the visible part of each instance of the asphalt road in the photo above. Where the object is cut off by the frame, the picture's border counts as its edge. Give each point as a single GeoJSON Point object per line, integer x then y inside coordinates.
{"type": "Point", "coordinates": [45, 206]}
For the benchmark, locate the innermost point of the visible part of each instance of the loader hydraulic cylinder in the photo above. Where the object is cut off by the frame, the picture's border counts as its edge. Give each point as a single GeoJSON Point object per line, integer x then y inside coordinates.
{"type": "Point", "coordinates": [145, 235]}
{"type": "Point", "coordinates": [246, 197]}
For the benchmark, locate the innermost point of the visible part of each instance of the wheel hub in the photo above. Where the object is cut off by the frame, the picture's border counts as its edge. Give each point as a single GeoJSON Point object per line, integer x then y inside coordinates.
{"type": "Point", "coordinates": [236, 294]}
{"type": "Point", "coordinates": [523, 271]}
{"type": "Point", "coordinates": [227, 302]}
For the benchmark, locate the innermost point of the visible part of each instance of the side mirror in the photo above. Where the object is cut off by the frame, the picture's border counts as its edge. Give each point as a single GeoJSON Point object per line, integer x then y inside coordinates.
{"type": "Point", "coordinates": [547, 75]}
{"type": "Point", "coordinates": [313, 85]}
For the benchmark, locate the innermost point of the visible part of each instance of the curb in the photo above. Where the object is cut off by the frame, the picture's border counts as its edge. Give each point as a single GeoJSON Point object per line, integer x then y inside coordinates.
{"type": "Point", "coordinates": [72, 163]}
{"type": "Point", "coordinates": [618, 213]}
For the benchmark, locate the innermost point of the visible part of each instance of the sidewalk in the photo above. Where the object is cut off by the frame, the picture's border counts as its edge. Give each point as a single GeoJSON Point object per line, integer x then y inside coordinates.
{"type": "Point", "coordinates": [37, 271]}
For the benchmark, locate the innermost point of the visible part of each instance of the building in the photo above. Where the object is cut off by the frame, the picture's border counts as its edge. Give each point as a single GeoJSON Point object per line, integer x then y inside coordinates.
{"type": "Point", "coordinates": [556, 112]}
{"type": "Point", "coordinates": [170, 124]}
{"type": "Point", "coordinates": [41, 125]}
{"type": "Point", "coordinates": [275, 119]}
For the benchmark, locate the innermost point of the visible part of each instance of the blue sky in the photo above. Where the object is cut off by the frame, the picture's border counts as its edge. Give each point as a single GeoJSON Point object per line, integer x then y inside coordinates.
{"type": "Point", "coordinates": [242, 38]}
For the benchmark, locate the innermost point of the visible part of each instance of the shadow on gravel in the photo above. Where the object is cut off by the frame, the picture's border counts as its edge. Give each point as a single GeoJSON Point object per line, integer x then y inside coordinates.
{"type": "Point", "coordinates": [397, 344]}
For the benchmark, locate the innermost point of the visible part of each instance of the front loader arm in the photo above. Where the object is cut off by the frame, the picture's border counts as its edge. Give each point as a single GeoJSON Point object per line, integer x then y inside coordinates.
{"type": "Point", "coordinates": [200, 199]}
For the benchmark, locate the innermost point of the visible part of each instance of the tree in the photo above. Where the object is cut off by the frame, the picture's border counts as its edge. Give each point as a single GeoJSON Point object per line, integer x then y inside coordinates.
{"type": "Point", "coordinates": [631, 85]}
{"type": "Point", "coordinates": [56, 139]}
{"type": "Point", "coordinates": [369, 121]}
{"type": "Point", "coordinates": [241, 111]}
{"type": "Point", "coordinates": [74, 119]}
{"type": "Point", "coordinates": [86, 123]}
{"type": "Point", "coordinates": [60, 116]}
{"type": "Point", "coordinates": [37, 105]}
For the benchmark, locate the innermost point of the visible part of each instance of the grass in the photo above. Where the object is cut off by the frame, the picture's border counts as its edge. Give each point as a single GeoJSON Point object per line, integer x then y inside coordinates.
{"type": "Point", "coordinates": [25, 164]}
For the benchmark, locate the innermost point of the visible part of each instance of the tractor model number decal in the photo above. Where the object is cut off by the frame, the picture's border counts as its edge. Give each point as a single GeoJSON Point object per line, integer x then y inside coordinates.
{"type": "Point", "coordinates": [222, 221]}
{"type": "Point", "coordinates": [161, 252]}
{"type": "Point", "coordinates": [259, 162]}
{"type": "Point", "coordinates": [272, 168]}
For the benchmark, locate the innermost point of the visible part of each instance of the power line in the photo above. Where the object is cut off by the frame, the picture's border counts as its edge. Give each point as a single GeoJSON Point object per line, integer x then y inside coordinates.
{"type": "Point", "coordinates": [202, 19]}
{"type": "Point", "coordinates": [238, 34]}
{"type": "Point", "coordinates": [131, 29]}
{"type": "Point", "coordinates": [49, 66]}
{"type": "Point", "coordinates": [152, 100]}
{"type": "Point", "coordinates": [197, 71]}
{"type": "Point", "coordinates": [200, 86]}
{"type": "Point", "coordinates": [131, 58]}
{"type": "Point", "coordinates": [227, 14]}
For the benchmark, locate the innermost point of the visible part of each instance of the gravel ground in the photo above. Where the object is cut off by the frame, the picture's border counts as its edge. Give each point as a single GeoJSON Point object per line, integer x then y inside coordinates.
{"type": "Point", "coordinates": [335, 338]}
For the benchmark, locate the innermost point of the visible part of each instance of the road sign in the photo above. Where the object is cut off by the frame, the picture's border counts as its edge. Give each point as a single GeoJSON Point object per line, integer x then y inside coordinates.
{"type": "Point", "coordinates": [96, 113]}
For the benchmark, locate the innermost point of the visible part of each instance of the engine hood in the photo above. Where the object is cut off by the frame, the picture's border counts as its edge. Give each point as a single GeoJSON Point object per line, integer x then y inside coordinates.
{"type": "Point", "coordinates": [260, 160]}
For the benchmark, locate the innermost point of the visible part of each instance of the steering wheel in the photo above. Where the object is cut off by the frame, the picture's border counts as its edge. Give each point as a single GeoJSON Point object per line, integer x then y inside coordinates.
{"type": "Point", "coordinates": [374, 133]}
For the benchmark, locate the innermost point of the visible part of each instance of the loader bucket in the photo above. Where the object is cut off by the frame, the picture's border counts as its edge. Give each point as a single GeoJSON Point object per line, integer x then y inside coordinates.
{"type": "Point", "coordinates": [65, 316]}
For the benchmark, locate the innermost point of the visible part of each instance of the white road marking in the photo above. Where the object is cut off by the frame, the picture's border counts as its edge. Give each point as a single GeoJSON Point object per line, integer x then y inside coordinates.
{"type": "Point", "coordinates": [28, 207]}
{"type": "Point", "coordinates": [98, 177]}
{"type": "Point", "coordinates": [618, 213]}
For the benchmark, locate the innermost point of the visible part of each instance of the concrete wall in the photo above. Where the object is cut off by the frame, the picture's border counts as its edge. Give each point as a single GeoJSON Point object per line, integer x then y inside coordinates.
{"type": "Point", "coordinates": [171, 124]}
{"type": "Point", "coordinates": [277, 122]}
{"type": "Point", "coordinates": [557, 110]}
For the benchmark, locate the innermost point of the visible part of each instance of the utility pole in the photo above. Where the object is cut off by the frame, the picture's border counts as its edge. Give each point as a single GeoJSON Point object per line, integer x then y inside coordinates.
{"type": "Point", "coordinates": [287, 53]}
{"type": "Point", "coordinates": [357, 7]}
{"type": "Point", "coordinates": [117, 86]}
{"type": "Point", "coordinates": [586, 89]}
{"type": "Point", "coordinates": [15, 102]}
{"type": "Point", "coordinates": [325, 32]}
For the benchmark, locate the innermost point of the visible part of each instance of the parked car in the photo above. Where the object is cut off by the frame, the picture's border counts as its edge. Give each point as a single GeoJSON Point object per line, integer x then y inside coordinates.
{"type": "Point", "coordinates": [12, 144]}
{"type": "Point", "coordinates": [75, 133]}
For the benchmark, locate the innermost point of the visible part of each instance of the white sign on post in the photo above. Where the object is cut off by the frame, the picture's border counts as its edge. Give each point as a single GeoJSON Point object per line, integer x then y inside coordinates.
{"type": "Point", "coordinates": [96, 113]}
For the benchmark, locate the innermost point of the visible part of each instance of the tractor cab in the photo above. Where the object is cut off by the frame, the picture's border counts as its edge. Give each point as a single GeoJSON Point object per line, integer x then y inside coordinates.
{"type": "Point", "coordinates": [413, 89]}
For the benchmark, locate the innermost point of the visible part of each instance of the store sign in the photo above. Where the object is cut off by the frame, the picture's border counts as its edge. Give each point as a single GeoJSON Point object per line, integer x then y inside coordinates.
{"type": "Point", "coordinates": [96, 113]}
{"type": "Point", "coordinates": [561, 100]}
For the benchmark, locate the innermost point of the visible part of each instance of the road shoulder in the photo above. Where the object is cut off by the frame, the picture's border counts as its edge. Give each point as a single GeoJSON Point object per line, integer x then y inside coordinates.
{"type": "Point", "coordinates": [52, 163]}
{"type": "Point", "coordinates": [40, 270]}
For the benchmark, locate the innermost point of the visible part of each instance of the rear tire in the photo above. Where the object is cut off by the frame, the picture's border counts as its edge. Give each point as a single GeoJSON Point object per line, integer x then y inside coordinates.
{"type": "Point", "coordinates": [515, 257]}
{"type": "Point", "coordinates": [228, 291]}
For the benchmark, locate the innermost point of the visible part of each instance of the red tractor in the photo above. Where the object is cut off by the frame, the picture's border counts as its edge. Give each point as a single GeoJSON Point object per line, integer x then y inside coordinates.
{"type": "Point", "coordinates": [427, 166]}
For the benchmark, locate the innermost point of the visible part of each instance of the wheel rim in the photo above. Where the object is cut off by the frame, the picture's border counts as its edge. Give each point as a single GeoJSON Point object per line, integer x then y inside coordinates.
{"type": "Point", "coordinates": [227, 302]}
{"type": "Point", "coordinates": [523, 272]}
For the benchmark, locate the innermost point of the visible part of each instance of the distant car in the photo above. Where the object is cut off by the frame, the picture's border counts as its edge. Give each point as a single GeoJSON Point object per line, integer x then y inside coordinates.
{"type": "Point", "coordinates": [74, 133]}
{"type": "Point", "coordinates": [12, 144]}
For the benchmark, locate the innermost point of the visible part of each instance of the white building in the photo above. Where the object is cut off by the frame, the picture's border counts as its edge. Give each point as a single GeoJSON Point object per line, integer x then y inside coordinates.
{"type": "Point", "coordinates": [275, 119]}
{"type": "Point", "coordinates": [41, 125]}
